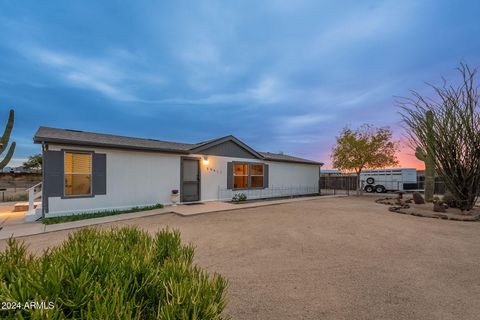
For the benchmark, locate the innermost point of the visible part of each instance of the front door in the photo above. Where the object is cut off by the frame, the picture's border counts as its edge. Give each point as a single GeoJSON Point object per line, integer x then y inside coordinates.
{"type": "Point", "coordinates": [190, 190]}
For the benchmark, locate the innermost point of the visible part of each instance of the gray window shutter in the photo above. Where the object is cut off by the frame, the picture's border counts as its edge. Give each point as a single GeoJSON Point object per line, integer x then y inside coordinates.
{"type": "Point", "coordinates": [99, 173]}
{"type": "Point", "coordinates": [265, 175]}
{"type": "Point", "coordinates": [249, 178]}
{"type": "Point", "coordinates": [230, 175]}
{"type": "Point", "coordinates": [53, 173]}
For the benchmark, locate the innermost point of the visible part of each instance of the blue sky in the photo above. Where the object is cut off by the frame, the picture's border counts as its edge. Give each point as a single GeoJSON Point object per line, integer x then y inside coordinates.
{"type": "Point", "coordinates": [279, 75]}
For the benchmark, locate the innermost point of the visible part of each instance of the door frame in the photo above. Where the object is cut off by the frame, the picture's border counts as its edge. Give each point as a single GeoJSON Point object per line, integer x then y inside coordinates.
{"type": "Point", "coordinates": [199, 178]}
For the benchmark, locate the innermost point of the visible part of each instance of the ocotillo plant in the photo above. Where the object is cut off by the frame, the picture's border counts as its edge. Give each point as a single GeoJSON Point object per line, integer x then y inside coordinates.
{"type": "Point", "coordinates": [455, 146]}
{"type": "Point", "coordinates": [427, 157]}
{"type": "Point", "coordinates": [4, 141]}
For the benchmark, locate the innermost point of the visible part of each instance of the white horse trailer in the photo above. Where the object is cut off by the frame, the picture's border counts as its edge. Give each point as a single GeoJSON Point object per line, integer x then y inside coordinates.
{"type": "Point", "coordinates": [389, 180]}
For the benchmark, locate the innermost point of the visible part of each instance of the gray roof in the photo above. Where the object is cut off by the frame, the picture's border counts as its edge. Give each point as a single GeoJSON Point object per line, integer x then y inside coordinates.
{"type": "Point", "coordinates": [77, 137]}
{"type": "Point", "coordinates": [83, 138]}
{"type": "Point", "coordinates": [286, 158]}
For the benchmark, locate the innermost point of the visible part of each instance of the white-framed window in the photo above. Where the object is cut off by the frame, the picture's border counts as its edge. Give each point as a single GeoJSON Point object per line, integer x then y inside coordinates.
{"type": "Point", "coordinates": [248, 175]}
{"type": "Point", "coordinates": [240, 175]}
{"type": "Point", "coordinates": [78, 173]}
{"type": "Point", "coordinates": [256, 175]}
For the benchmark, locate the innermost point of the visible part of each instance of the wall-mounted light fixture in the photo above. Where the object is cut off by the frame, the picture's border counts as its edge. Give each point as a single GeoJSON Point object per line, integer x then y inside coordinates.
{"type": "Point", "coordinates": [205, 160]}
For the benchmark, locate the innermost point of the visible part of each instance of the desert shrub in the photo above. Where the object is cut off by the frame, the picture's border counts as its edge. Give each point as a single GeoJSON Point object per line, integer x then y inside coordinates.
{"type": "Point", "coordinates": [449, 199]}
{"type": "Point", "coordinates": [111, 274]}
{"type": "Point", "coordinates": [239, 197]}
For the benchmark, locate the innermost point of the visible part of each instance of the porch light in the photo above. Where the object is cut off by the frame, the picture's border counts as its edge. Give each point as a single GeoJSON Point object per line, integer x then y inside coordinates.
{"type": "Point", "coordinates": [205, 160]}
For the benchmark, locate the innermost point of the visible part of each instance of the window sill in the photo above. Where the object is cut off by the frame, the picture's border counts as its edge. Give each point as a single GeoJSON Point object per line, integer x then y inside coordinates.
{"type": "Point", "coordinates": [78, 196]}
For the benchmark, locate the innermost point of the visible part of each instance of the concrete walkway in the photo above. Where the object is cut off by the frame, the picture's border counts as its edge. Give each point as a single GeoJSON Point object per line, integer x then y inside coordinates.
{"type": "Point", "coordinates": [32, 228]}
{"type": "Point", "coordinates": [8, 216]}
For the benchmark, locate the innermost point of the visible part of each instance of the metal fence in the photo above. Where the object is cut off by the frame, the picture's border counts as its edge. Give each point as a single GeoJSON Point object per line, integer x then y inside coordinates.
{"type": "Point", "coordinates": [271, 192]}
{"type": "Point", "coordinates": [347, 185]}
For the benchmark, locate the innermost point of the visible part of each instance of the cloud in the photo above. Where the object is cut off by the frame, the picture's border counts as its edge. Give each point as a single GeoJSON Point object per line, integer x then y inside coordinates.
{"type": "Point", "coordinates": [107, 88]}
{"type": "Point", "coordinates": [366, 24]}
{"type": "Point", "coordinates": [16, 162]}
{"type": "Point", "coordinates": [106, 75]}
{"type": "Point", "coordinates": [299, 138]}
{"type": "Point", "coordinates": [305, 120]}
{"type": "Point", "coordinates": [91, 74]}
{"type": "Point", "coordinates": [266, 91]}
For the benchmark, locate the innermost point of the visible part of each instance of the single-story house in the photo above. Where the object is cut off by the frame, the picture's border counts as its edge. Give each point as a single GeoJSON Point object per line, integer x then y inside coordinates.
{"type": "Point", "coordinates": [86, 171]}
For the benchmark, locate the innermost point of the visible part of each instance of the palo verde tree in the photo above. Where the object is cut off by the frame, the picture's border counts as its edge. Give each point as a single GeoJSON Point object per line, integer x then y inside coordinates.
{"type": "Point", "coordinates": [453, 138]}
{"type": "Point", "coordinates": [366, 147]}
{"type": "Point", "coordinates": [4, 141]}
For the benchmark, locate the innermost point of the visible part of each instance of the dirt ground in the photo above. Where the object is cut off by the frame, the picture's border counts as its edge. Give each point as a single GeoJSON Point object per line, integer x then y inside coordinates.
{"type": "Point", "coordinates": [336, 258]}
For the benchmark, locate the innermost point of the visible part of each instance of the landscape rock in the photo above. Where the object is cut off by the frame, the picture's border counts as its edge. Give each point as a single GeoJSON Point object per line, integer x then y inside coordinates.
{"type": "Point", "coordinates": [440, 215]}
{"type": "Point", "coordinates": [418, 198]}
{"type": "Point", "coordinates": [388, 201]}
{"type": "Point", "coordinates": [426, 212]}
{"type": "Point", "coordinates": [439, 207]}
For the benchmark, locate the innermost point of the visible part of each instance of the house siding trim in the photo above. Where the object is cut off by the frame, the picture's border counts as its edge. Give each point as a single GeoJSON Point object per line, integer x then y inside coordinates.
{"type": "Point", "coordinates": [106, 145]}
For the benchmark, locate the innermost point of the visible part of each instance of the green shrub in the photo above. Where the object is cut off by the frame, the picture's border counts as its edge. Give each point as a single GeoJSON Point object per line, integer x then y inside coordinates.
{"type": "Point", "coordinates": [449, 199]}
{"type": "Point", "coordinates": [98, 214]}
{"type": "Point", "coordinates": [239, 197]}
{"type": "Point", "coordinates": [111, 274]}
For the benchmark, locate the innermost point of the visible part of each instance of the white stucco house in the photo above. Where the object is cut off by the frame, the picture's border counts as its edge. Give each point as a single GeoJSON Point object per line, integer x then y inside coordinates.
{"type": "Point", "coordinates": [86, 171]}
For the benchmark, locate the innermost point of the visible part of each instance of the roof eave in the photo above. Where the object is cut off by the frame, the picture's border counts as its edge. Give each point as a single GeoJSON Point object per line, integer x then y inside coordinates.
{"type": "Point", "coordinates": [209, 144]}
{"type": "Point", "coordinates": [37, 139]}
{"type": "Point", "coordinates": [296, 161]}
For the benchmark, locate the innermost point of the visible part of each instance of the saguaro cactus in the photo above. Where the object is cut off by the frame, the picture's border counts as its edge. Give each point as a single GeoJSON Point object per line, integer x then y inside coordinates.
{"type": "Point", "coordinates": [427, 157]}
{"type": "Point", "coordinates": [4, 141]}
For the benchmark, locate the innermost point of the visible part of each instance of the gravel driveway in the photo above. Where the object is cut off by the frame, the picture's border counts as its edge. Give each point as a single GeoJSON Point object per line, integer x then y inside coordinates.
{"type": "Point", "coordinates": [336, 258]}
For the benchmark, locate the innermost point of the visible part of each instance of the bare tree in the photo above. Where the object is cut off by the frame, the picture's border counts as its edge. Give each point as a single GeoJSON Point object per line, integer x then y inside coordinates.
{"type": "Point", "coordinates": [454, 137]}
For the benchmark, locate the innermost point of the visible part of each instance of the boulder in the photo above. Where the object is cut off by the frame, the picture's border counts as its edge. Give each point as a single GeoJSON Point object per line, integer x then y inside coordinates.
{"type": "Point", "coordinates": [418, 198]}
{"type": "Point", "coordinates": [439, 207]}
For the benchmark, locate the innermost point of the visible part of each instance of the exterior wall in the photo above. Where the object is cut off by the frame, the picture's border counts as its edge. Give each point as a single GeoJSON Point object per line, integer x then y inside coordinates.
{"type": "Point", "coordinates": [137, 178]}
{"type": "Point", "coordinates": [284, 179]}
{"type": "Point", "coordinates": [214, 175]}
{"type": "Point", "coordinates": [293, 175]}
{"type": "Point", "coordinates": [134, 178]}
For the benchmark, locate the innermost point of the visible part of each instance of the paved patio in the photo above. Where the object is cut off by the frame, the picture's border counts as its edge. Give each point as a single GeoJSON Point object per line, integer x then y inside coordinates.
{"type": "Point", "coordinates": [329, 258]}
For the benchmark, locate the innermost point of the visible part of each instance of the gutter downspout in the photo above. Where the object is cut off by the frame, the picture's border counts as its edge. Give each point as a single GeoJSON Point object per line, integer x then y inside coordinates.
{"type": "Point", "coordinates": [44, 199]}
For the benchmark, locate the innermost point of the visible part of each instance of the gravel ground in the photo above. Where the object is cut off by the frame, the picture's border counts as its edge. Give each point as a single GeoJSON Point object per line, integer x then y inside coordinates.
{"type": "Point", "coordinates": [337, 258]}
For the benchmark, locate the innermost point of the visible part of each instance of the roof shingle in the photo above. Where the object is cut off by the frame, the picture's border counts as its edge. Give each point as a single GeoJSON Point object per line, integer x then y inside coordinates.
{"type": "Point", "coordinates": [77, 137]}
